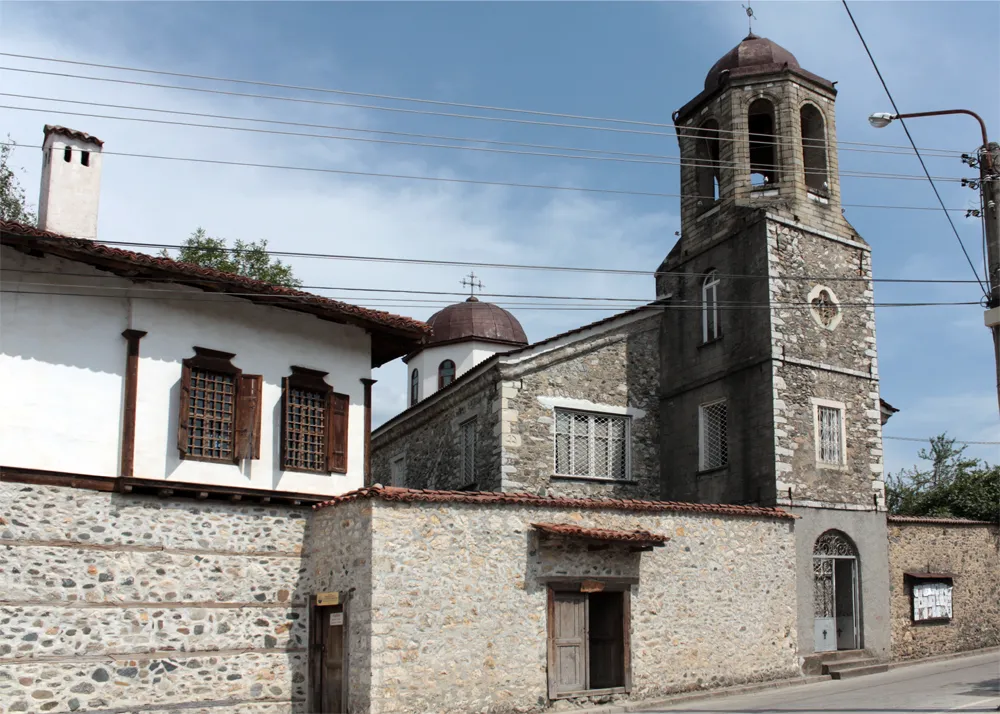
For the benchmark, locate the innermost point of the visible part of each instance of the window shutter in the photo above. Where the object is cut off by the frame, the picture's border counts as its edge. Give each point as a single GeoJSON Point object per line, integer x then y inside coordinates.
{"type": "Point", "coordinates": [248, 414]}
{"type": "Point", "coordinates": [183, 410]}
{"type": "Point", "coordinates": [337, 450]}
{"type": "Point", "coordinates": [284, 423]}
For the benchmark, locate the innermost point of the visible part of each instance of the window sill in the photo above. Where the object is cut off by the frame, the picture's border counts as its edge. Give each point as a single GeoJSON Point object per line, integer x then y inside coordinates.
{"type": "Point", "coordinates": [597, 479]}
{"type": "Point", "coordinates": [831, 467]}
{"type": "Point", "coordinates": [591, 693]}
{"type": "Point", "coordinates": [712, 471]}
{"type": "Point", "coordinates": [707, 343]}
{"type": "Point", "coordinates": [209, 460]}
{"type": "Point", "coordinates": [314, 472]}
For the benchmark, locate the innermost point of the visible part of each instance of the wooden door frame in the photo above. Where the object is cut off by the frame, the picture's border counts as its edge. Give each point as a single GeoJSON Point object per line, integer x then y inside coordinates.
{"type": "Point", "coordinates": [574, 586]}
{"type": "Point", "coordinates": [314, 668]}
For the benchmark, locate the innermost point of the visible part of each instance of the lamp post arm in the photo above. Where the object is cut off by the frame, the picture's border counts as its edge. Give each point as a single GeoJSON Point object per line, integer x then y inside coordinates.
{"type": "Point", "coordinates": [982, 124]}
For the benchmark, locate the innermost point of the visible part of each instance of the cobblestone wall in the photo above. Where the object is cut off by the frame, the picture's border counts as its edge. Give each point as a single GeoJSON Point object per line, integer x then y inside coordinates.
{"type": "Point", "coordinates": [114, 602]}
{"type": "Point", "coordinates": [618, 369]}
{"type": "Point", "coordinates": [459, 603]}
{"type": "Point", "coordinates": [972, 554]}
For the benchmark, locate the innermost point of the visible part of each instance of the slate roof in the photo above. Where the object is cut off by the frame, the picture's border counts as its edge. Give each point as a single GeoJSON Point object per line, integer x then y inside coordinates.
{"type": "Point", "coordinates": [392, 335]}
{"type": "Point", "coordinates": [410, 495]}
{"type": "Point", "coordinates": [602, 534]}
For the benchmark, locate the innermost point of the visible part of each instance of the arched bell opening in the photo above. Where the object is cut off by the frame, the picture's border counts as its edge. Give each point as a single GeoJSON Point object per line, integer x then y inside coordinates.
{"type": "Point", "coordinates": [814, 159]}
{"type": "Point", "coordinates": [761, 127]}
{"type": "Point", "coordinates": [707, 163]}
{"type": "Point", "coordinates": [836, 595]}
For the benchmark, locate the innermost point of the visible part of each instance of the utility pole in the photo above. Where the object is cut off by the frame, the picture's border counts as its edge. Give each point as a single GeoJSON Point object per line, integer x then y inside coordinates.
{"type": "Point", "coordinates": [989, 186]}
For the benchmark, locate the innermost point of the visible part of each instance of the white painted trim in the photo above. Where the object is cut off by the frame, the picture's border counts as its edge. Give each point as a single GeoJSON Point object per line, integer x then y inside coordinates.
{"type": "Point", "coordinates": [792, 503]}
{"type": "Point", "coordinates": [816, 232]}
{"type": "Point", "coordinates": [593, 413]}
{"type": "Point", "coordinates": [818, 402]}
{"type": "Point", "coordinates": [813, 294]}
{"type": "Point", "coordinates": [585, 405]}
{"type": "Point", "coordinates": [827, 367]}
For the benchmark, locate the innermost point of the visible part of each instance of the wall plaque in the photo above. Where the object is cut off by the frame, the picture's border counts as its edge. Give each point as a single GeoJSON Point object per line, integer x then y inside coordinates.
{"type": "Point", "coordinates": [324, 599]}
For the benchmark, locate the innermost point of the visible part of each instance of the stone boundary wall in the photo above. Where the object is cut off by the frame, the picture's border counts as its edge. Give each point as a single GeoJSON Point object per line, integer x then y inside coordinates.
{"type": "Point", "coordinates": [972, 554]}
{"type": "Point", "coordinates": [112, 602]}
{"type": "Point", "coordinates": [458, 604]}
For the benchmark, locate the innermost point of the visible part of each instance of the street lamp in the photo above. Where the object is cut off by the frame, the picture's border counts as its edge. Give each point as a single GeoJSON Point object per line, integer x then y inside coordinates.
{"type": "Point", "coordinates": [989, 186]}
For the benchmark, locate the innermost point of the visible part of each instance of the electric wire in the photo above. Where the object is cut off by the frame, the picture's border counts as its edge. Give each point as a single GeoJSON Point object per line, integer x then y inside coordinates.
{"type": "Point", "coordinates": [561, 125]}
{"type": "Point", "coordinates": [658, 159]}
{"type": "Point", "coordinates": [923, 165]}
{"type": "Point", "coordinates": [958, 441]}
{"type": "Point", "coordinates": [443, 179]}
{"type": "Point", "coordinates": [370, 95]}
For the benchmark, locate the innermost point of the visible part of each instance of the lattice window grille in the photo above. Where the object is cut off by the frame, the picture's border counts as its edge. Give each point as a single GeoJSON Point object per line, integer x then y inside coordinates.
{"type": "Point", "coordinates": [305, 430]}
{"type": "Point", "coordinates": [823, 587]}
{"type": "Point", "coordinates": [714, 436]}
{"type": "Point", "coordinates": [210, 414]}
{"type": "Point", "coordinates": [467, 449]}
{"type": "Point", "coordinates": [830, 428]}
{"type": "Point", "coordinates": [592, 445]}
{"type": "Point", "coordinates": [834, 544]}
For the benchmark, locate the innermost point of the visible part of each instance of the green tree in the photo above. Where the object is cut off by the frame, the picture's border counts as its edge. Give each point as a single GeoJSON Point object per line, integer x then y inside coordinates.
{"type": "Point", "coordinates": [248, 259]}
{"type": "Point", "coordinates": [955, 486]}
{"type": "Point", "coordinates": [13, 205]}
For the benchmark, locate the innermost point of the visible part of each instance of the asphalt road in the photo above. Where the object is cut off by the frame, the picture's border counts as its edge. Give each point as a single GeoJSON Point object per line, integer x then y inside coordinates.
{"type": "Point", "coordinates": [966, 685]}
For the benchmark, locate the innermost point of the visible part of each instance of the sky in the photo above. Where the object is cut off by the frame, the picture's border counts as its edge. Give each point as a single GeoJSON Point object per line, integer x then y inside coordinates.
{"type": "Point", "coordinates": [635, 61]}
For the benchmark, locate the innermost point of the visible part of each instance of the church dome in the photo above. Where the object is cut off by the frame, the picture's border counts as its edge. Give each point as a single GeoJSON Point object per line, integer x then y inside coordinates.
{"type": "Point", "coordinates": [475, 320]}
{"type": "Point", "coordinates": [754, 55]}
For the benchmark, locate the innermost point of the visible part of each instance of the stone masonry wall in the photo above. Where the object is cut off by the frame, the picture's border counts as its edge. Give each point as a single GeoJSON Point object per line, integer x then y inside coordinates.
{"type": "Point", "coordinates": [429, 440]}
{"type": "Point", "coordinates": [113, 602]}
{"type": "Point", "coordinates": [459, 602]}
{"type": "Point", "coordinates": [972, 554]}
{"type": "Point", "coordinates": [619, 369]}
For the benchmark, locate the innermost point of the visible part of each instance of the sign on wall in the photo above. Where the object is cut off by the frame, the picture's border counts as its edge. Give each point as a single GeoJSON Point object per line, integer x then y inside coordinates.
{"type": "Point", "coordinates": [931, 601]}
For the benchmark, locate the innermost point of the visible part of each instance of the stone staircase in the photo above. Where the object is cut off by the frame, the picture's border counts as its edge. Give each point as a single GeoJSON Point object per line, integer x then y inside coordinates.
{"type": "Point", "coordinates": [843, 664]}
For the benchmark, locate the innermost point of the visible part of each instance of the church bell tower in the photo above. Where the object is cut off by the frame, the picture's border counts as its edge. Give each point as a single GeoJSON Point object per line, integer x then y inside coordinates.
{"type": "Point", "coordinates": [769, 373]}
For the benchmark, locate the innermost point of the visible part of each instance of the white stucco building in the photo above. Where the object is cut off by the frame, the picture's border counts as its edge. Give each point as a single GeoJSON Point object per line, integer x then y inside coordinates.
{"type": "Point", "coordinates": [121, 365]}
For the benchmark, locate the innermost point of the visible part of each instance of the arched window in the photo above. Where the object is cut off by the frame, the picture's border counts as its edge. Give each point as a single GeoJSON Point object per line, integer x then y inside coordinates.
{"type": "Point", "coordinates": [707, 161]}
{"type": "Point", "coordinates": [67, 154]}
{"type": "Point", "coordinates": [446, 373]}
{"type": "Point", "coordinates": [414, 387]}
{"type": "Point", "coordinates": [763, 143]}
{"type": "Point", "coordinates": [834, 544]}
{"type": "Point", "coordinates": [814, 149]}
{"type": "Point", "coordinates": [710, 328]}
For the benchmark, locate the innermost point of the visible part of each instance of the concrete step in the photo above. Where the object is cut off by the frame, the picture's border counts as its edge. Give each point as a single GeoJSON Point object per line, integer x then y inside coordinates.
{"type": "Point", "coordinates": [860, 671]}
{"type": "Point", "coordinates": [815, 663]}
{"type": "Point", "coordinates": [843, 664]}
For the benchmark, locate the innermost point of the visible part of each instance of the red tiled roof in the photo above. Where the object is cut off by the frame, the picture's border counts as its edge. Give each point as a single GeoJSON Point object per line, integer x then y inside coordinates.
{"type": "Point", "coordinates": [605, 534]}
{"type": "Point", "coordinates": [410, 495]}
{"type": "Point", "coordinates": [931, 520]}
{"type": "Point", "coordinates": [405, 332]}
{"type": "Point", "coordinates": [72, 133]}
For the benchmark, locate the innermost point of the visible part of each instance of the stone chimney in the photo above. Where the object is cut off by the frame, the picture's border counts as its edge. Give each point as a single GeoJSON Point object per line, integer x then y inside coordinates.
{"type": "Point", "coordinates": [71, 182]}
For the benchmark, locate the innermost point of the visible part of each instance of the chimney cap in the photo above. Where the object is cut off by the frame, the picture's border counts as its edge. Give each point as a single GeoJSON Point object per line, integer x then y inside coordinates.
{"type": "Point", "coordinates": [71, 133]}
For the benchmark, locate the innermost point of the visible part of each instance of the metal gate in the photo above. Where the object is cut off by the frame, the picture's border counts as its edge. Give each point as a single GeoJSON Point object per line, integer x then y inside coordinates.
{"type": "Point", "coordinates": [836, 606]}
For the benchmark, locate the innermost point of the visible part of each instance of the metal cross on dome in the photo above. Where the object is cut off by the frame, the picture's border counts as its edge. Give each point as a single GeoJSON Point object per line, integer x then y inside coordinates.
{"type": "Point", "coordinates": [750, 17]}
{"type": "Point", "coordinates": [470, 281]}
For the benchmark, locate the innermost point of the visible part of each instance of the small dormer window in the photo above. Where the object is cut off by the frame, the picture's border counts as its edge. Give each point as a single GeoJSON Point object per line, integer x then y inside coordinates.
{"type": "Point", "coordinates": [85, 158]}
{"type": "Point", "coordinates": [67, 154]}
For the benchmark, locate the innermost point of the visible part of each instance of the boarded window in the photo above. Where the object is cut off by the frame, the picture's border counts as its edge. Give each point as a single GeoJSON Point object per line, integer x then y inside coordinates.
{"type": "Point", "coordinates": [830, 422]}
{"type": "Point", "coordinates": [814, 149]}
{"type": "Point", "coordinates": [713, 437]}
{"type": "Point", "coordinates": [467, 450]}
{"type": "Point", "coordinates": [588, 642]}
{"type": "Point", "coordinates": [220, 409]}
{"type": "Point", "coordinates": [763, 144]}
{"type": "Point", "coordinates": [592, 445]}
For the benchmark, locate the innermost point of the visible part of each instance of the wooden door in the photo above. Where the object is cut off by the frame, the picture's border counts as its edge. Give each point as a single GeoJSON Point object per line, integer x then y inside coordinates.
{"type": "Point", "coordinates": [568, 666]}
{"type": "Point", "coordinates": [328, 661]}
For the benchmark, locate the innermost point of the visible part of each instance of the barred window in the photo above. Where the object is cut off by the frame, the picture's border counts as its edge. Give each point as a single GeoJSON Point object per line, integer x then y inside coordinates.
{"type": "Point", "coordinates": [830, 425]}
{"type": "Point", "coordinates": [594, 445]}
{"type": "Point", "coordinates": [467, 450]}
{"type": "Point", "coordinates": [314, 424]}
{"type": "Point", "coordinates": [212, 408]}
{"type": "Point", "coordinates": [220, 409]}
{"type": "Point", "coordinates": [713, 437]}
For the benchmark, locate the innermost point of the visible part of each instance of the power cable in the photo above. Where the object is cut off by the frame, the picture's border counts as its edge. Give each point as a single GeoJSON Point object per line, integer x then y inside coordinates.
{"type": "Point", "coordinates": [411, 177]}
{"type": "Point", "coordinates": [959, 441]}
{"type": "Point", "coordinates": [915, 149]}
{"type": "Point", "coordinates": [658, 159]}
{"type": "Point", "coordinates": [561, 125]}
{"type": "Point", "coordinates": [369, 95]}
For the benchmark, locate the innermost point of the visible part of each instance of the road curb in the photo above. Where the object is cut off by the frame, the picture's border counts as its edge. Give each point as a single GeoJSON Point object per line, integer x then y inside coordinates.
{"type": "Point", "coordinates": [944, 657]}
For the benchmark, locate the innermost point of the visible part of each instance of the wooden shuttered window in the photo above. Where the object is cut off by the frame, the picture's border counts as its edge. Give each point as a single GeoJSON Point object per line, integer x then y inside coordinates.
{"type": "Point", "coordinates": [313, 424]}
{"type": "Point", "coordinates": [340, 412]}
{"type": "Point", "coordinates": [219, 411]}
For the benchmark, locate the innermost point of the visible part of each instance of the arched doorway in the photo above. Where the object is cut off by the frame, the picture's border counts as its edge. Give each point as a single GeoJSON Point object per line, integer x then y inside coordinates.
{"type": "Point", "coordinates": [836, 605]}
